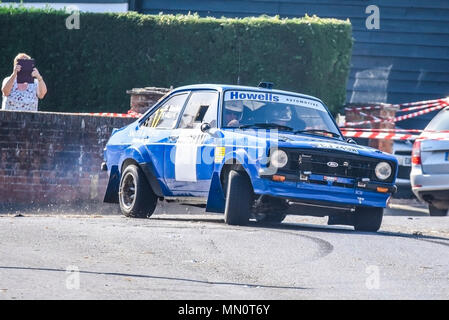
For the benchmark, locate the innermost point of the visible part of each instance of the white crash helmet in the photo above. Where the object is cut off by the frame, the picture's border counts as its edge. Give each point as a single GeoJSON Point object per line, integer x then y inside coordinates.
{"type": "Point", "coordinates": [235, 106]}
{"type": "Point", "coordinates": [282, 114]}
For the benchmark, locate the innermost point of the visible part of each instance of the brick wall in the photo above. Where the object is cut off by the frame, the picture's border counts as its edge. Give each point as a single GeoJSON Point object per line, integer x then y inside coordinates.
{"type": "Point", "coordinates": [383, 113]}
{"type": "Point", "coordinates": [53, 158]}
{"type": "Point", "coordinates": [143, 98]}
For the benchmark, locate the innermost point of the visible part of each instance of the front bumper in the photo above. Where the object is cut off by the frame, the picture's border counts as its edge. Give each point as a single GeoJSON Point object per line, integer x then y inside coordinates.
{"type": "Point", "coordinates": [340, 192]}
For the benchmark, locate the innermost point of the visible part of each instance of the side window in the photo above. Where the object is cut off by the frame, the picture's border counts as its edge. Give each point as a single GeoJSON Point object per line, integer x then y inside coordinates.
{"type": "Point", "coordinates": [201, 108]}
{"type": "Point", "coordinates": [166, 116]}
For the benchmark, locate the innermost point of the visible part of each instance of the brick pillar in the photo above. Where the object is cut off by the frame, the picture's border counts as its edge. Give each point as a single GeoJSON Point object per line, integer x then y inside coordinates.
{"type": "Point", "coordinates": [144, 98]}
{"type": "Point", "coordinates": [385, 112]}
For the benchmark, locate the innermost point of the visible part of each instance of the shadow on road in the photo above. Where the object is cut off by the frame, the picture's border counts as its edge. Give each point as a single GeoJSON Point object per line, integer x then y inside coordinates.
{"type": "Point", "coordinates": [130, 275]}
{"type": "Point", "coordinates": [289, 226]}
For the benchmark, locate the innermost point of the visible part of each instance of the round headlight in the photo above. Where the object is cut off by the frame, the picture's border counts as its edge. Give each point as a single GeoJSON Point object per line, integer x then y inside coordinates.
{"type": "Point", "coordinates": [383, 170]}
{"type": "Point", "coordinates": [278, 158]}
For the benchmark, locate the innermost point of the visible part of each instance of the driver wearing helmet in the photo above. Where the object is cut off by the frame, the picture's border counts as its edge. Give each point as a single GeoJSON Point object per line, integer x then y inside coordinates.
{"type": "Point", "coordinates": [233, 113]}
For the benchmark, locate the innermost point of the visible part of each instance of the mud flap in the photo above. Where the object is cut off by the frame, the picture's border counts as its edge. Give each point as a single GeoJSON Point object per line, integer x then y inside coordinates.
{"type": "Point", "coordinates": [216, 198]}
{"type": "Point", "coordinates": [111, 195]}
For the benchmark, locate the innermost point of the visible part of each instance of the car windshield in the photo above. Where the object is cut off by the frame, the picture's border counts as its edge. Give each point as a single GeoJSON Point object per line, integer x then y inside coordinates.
{"type": "Point", "coordinates": [440, 122]}
{"type": "Point", "coordinates": [247, 109]}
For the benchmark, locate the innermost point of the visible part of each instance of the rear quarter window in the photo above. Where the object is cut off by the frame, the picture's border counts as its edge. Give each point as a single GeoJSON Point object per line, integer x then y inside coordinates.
{"type": "Point", "coordinates": [440, 122]}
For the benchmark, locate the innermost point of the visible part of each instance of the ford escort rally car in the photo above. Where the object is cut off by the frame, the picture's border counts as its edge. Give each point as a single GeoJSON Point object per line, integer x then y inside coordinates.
{"type": "Point", "coordinates": [250, 153]}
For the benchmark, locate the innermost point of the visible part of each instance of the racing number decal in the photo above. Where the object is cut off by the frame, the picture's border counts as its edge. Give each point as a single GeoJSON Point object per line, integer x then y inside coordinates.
{"type": "Point", "coordinates": [186, 156]}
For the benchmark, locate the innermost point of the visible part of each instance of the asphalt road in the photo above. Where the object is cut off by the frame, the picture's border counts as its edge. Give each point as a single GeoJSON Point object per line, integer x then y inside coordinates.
{"type": "Point", "coordinates": [197, 256]}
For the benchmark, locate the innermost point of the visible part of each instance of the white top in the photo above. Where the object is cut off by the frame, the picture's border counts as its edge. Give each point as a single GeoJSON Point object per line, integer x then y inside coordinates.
{"type": "Point", "coordinates": [21, 100]}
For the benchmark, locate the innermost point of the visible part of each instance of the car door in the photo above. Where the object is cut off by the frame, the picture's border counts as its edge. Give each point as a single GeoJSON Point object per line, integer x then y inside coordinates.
{"type": "Point", "coordinates": [156, 131]}
{"type": "Point", "coordinates": [189, 171]}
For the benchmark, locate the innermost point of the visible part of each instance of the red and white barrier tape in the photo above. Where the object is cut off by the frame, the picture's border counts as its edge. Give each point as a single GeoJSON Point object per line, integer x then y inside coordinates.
{"type": "Point", "coordinates": [378, 135]}
{"type": "Point", "coordinates": [441, 104]}
{"type": "Point", "coordinates": [400, 105]}
{"type": "Point", "coordinates": [357, 109]}
{"type": "Point", "coordinates": [395, 134]}
{"type": "Point", "coordinates": [130, 114]}
{"type": "Point", "coordinates": [369, 116]}
{"type": "Point", "coordinates": [382, 130]}
{"type": "Point", "coordinates": [384, 134]}
{"type": "Point", "coordinates": [422, 107]}
{"type": "Point", "coordinates": [417, 103]}
{"type": "Point", "coordinates": [434, 135]}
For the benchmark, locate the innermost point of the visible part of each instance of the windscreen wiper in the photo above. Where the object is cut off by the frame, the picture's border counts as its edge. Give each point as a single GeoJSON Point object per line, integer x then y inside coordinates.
{"type": "Point", "coordinates": [266, 126]}
{"type": "Point", "coordinates": [312, 131]}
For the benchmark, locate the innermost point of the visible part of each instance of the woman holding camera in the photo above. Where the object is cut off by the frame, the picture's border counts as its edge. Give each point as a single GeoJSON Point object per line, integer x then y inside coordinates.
{"type": "Point", "coordinates": [22, 96]}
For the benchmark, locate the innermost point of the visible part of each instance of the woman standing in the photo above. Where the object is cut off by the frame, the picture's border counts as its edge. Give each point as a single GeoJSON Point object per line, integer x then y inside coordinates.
{"type": "Point", "coordinates": [22, 96]}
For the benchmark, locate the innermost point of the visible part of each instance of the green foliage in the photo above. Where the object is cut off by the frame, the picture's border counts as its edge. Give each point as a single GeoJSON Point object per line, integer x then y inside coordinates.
{"type": "Point", "coordinates": [90, 69]}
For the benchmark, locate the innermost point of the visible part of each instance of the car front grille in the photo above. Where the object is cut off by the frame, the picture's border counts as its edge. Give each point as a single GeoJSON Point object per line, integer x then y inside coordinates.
{"type": "Point", "coordinates": [333, 163]}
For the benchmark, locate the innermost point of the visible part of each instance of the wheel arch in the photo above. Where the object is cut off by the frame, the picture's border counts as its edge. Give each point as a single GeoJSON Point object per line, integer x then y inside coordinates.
{"type": "Point", "coordinates": [149, 175]}
{"type": "Point", "coordinates": [217, 190]}
{"type": "Point", "coordinates": [128, 162]}
{"type": "Point", "coordinates": [228, 166]}
{"type": "Point", "coordinates": [138, 156]}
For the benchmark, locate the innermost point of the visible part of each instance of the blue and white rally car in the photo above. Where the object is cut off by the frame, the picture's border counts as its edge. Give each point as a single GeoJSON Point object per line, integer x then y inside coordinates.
{"type": "Point", "coordinates": [250, 153]}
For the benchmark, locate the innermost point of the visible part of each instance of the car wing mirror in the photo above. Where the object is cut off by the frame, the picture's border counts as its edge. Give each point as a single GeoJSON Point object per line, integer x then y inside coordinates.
{"type": "Point", "coordinates": [214, 132]}
{"type": "Point", "coordinates": [205, 127]}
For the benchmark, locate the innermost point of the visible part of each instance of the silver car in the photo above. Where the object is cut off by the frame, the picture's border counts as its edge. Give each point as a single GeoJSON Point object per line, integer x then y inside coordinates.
{"type": "Point", "coordinates": [430, 165]}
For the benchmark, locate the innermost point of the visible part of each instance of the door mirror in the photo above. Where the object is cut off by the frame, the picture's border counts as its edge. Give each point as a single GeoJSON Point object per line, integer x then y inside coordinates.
{"type": "Point", "coordinates": [350, 140]}
{"type": "Point", "coordinates": [214, 132]}
{"type": "Point", "coordinates": [205, 127]}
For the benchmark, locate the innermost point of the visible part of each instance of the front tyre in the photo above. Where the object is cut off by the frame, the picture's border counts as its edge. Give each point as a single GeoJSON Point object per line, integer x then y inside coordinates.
{"type": "Point", "coordinates": [368, 219]}
{"type": "Point", "coordinates": [239, 199]}
{"type": "Point", "coordinates": [136, 198]}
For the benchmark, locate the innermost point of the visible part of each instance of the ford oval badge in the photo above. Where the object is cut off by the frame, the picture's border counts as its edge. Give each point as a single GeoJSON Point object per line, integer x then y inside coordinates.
{"type": "Point", "coordinates": [332, 164]}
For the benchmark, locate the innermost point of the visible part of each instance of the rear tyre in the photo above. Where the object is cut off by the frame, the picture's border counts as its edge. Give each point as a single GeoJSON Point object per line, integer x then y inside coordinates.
{"type": "Point", "coordinates": [435, 212]}
{"type": "Point", "coordinates": [136, 198]}
{"type": "Point", "coordinates": [368, 219]}
{"type": "Point", "coordinates": [239, 199]}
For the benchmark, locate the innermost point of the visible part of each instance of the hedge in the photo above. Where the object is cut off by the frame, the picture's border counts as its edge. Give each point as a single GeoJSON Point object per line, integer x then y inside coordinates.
{"type": "Point", "coordinates": [91, 68]}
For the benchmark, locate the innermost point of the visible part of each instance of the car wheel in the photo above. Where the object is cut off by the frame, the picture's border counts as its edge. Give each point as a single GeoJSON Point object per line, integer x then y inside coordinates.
{"type": "Point", "coordinates": [136, 198]}
{"type": "Point", "coordinates": [239, 199]}
{"type": "Point", "coordinates": [435, 212]}
{"type": "Point", "coordinates": [368, 219]}
{"type": "Point", "coordinates": [270, 217]}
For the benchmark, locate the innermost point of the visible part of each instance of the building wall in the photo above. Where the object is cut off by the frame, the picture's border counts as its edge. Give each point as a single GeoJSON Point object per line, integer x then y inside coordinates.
{"type": "Point", "coordinates": [53, 158]}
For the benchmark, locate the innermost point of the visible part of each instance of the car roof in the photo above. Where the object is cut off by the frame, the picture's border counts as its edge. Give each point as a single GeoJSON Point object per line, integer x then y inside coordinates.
{"type": "Point", "coordinates": [224, 87]}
